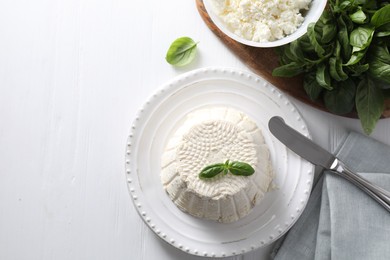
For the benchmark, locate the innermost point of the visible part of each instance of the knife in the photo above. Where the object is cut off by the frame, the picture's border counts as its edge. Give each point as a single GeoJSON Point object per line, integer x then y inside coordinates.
{"type": "Point", "coordinates": [315, 154]}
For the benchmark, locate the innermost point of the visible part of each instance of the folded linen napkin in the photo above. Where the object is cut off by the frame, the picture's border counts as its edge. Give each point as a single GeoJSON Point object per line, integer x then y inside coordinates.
{"type": "Point", "coordinates": [340, 221]}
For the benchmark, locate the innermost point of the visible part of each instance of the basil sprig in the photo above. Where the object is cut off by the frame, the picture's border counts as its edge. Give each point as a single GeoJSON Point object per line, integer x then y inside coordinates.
{"type": "Point", "coordinates": [345, 59]}
{"type": "Point", "coordinates": [181, 52]}
{"type": "Point", "coordinates": [235, 168]}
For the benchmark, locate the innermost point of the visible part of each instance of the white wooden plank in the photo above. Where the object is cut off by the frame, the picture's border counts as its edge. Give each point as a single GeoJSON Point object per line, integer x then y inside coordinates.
{"type": "Point", "coordinates": [72, 75]}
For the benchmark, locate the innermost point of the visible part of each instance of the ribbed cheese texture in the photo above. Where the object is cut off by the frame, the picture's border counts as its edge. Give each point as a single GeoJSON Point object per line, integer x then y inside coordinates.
{"type": "Point", "coordinates": [208, 136]}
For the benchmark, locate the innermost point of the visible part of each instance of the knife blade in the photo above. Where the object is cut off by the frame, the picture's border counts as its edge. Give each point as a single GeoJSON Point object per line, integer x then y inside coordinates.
{"type": "Point", "coordinates": [300, 144]}
{"type": "Point", "coordinates": [315, 154]}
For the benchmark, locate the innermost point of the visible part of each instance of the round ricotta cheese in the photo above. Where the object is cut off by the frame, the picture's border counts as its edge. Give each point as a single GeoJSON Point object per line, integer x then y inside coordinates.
{"type": "Point", "coordinates": [209, 136]}
{"type": "Point", "coordinates": [261, 20]}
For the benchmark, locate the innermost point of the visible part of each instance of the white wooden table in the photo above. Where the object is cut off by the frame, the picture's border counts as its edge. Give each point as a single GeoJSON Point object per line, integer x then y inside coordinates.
{"type": "Point", "coordinates": [72, 75]}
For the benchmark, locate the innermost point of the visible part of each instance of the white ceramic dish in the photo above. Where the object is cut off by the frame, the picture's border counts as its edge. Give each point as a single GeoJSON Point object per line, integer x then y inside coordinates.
{"type": "Point", "coordinates": [312, 15]}
{"type": "Point", "coordinates": [160, 117]}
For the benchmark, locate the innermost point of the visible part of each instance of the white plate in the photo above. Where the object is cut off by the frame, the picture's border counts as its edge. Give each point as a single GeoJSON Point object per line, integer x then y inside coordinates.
{"type": "Point", "coordinates": [158, 119]}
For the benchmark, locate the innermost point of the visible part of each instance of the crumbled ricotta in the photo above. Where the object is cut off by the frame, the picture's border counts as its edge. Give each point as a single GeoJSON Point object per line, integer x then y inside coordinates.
{"type": "Point", "coordinates": [261, 20]}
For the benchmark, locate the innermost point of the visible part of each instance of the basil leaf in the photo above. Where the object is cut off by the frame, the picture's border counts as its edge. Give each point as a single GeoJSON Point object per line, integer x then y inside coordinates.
{"type": "Point", "coordinates": [380, 52]}
{"type": "Point", "coordinates": [296, 51]}
{"type": "Point", "coordinates": [337, 50]}
{"type": "Point", "coordinates": [227, 164]}
{"type": "Point", "coordinates": [313, 40]}
{"type": "Point", "coordinates": [326, 17]}
{"type": "Point", "coordinates": [383, 31]}
{"type": "Point", "coordinates": [325, 27]}
{"type": "Point", "coordinates": [292, 53]}
{"type": "Point", "coordinates": [357, 69]}
{"type": "Point", "coordinates": [344, 5]}
{"type": "Point", "coordinates": [241, 168]}
{"type": "Point", "coordinates": [360, 2]}
{"type": "Point", "coordinates": [310, 63]}
{"type": "Point", "coordinates": [380, 70]}
{"type": "Point", "coordinates": [382, 34]}
{"type": "Point", "coordinates": [371, 5]}
{"type": "Point", "coordinates": [358, 17]}
{"type": "Point", "coordinates": [311, 86]}
{"type": "Point", "coordinates": [323, 76]}
{"type": "Point", "coordinates": [284, 60]}
{"type": "Point", "coordinates": [181, 52]}
{"type": "Point", "coordinates": [381, 17]}
{"type": "Point", "coordinates": [288, 70]}
{"type": "Point", "coordinates": [336, 69]}
{"type": "Point", "coordinates": [343, 38]}
{"type": "Point", "coordinates": [212, 170]}
{"type": "Point", "coordinates": [380, 62]}
{"type": "Point", "coordinates": [328, 33]}
{"type": "Point", "coordinates": [304, 43]}
{"type": "Point", "coordinates": [361, 37]}
{"type": "Point", "coordinates": [236, 168]}
{"type": "Point", "coordinates": [355, 57]}
{"type": "Point", "coordinates": [369, 104]}
{"type": "Point", "coordinates": [344, 91]}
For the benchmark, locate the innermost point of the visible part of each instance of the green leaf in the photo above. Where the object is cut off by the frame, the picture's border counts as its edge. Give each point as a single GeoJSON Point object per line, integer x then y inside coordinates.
{"type": "Point", "coordinates": [326, 17]}
{"type": "Point", "coordinates": [344, 5]}
{"type": "Point", "coordinates": [361, 37]}
{"type": "Point", "coordinates": [313, 40]}
{"type": "Point", "coordinates": [380, 70]}
{"type": "Point", "coordinates": [328, 33]}
{"type": "Point", "coordinates": [357, 69]}
{"type": "Point", "coordinates": [360, 2]}
{"type": "Point", "coordinates": [227, 164]}
{"type": "Point", "coordinates": [357, 49]}
{"type": "Point", "coordinates": [371, 5]}
{"type": "Point", "coordinates": [382, 34]}
{"type": "Point", "coordinates": [296, 51]}
{"type": "Point", "coordinates": [288, 70]}
{"type": "Point", "coordinates": [380, 52]}
{"type": "Point", "coordinates": [311, 86]}
{"type": "Point", "coordinates": [355, 57]}
{"type": "Point", "coordinates": [381, 17]}
{"type": "Point", "coordinates": [349, 24]}
{"type": "Point", "coordinates": [212, 170]}
{"type": "Point", "coordinates": [235, 168]}
{"type": "Point", "coordinates": [358, 17]}
{"type": "Point", "coordinates": [305, 44]}
{"type": "Point", "coordinates": [292, 53]}
{"type": "Point", "coordinates": [383, 30]}
{"type": "Point", "coordinates": [325, 27]}
{"type": "Point", "coordinates": [336, 69]}
{"type": "Point", "coordinates": [337, 50]}
{"type": "Point", "coordinates": [343, 38]}
{"type": "Point", "coordinates": [241, 168]}
{"type": "Point", "coordinates": [379, 61]}
{"type": "Point", "coordinates": [323, 77]}
{"type": "Point", "coordinates": [369, 104]}
{"type": "Point", "coordinates": [181, 52]}
{"type": "Point", "coordinates": [341, 99]}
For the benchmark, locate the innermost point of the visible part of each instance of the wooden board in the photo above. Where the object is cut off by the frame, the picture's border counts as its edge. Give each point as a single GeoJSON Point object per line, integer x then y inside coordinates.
{"type": "Point", "coordinates": [263, 60]}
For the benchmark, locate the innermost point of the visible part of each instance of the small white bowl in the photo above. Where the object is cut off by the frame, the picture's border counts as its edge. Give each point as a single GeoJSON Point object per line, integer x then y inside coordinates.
{"type": "Point", "coordinates": [312, 15]}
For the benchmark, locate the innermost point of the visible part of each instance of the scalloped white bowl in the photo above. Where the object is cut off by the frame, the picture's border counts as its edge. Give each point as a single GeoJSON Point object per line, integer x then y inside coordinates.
{"type": "Point", "coordinates": [313, 14]}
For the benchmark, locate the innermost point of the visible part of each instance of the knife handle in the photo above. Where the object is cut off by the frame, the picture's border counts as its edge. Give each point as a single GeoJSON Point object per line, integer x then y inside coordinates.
{"type": "Point", "coordinates": [381, 195]}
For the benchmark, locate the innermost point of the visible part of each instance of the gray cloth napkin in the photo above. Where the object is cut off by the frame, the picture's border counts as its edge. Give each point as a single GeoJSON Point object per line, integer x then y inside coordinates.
{"type": "Point", "coordinates": [340, 221]}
